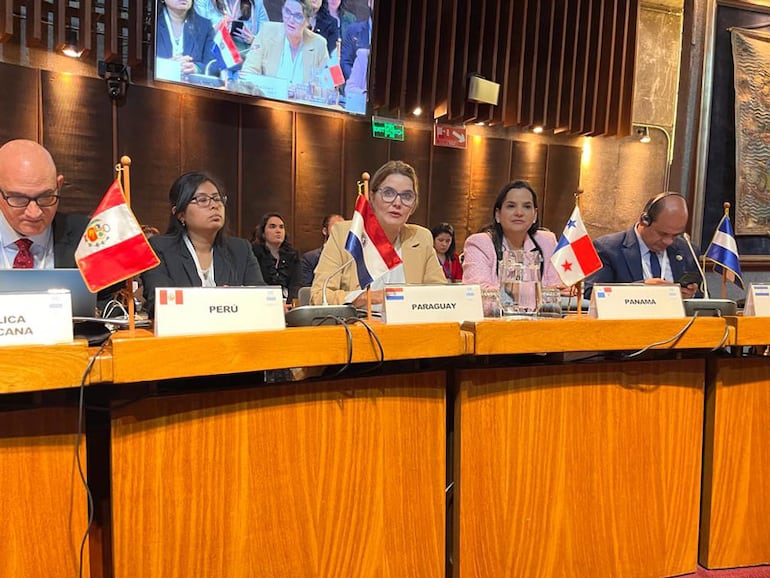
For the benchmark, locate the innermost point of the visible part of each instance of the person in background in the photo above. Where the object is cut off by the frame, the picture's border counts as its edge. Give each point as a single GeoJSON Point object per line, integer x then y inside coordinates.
{"type": "Point", "coordinates": [651, 251]}
{"type": "Point", "coordinates": [183, 36]}
{"type": "Point", "coordinates": [278, 260]}
{"type": "Point", "coordinates": [332, 22]}
{"type": "Point", "coordinates": [196, 251]}
{"type": "Point", "coordinates": [251, 13]}
{"type": "Point", "coordinates": [394, 197]}
{"type": "Point", "coordinates": [310, 259]}
{"type": "Point", "coordinates": [288, 49]}
{"type": "Point", "coordinates": [358, 37]}
{"type": "Point", "coordinates": [32, 233]}
{"type": "Point", "coordinates": [444, 245]}
{"type": "Point", "coordinates": [514, 227]}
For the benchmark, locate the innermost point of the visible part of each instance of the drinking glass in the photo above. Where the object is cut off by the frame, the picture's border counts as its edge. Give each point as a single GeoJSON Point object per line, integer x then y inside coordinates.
{"type": "Point", "coordinates": [520, 290]}
{"type": "Point", "coordinates": [490, 302]}
{"type": "Point", "coordinates": [551, 303]}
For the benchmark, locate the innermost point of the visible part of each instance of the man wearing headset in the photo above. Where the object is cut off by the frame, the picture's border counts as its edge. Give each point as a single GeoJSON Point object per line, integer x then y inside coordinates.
{"type": "Point", "coordinates": [652, 251]}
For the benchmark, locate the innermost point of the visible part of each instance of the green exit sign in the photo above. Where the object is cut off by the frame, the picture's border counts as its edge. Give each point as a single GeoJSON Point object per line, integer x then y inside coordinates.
{"type": "Point", "coordinates": [387, 128]}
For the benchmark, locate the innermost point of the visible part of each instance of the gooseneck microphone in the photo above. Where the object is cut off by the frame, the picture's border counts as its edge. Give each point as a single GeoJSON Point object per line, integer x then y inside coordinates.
{"type": "Point", "coordinates": [697, 264]}
{"type": "Point", "coordinates": [321, 314]}
{"type": "Point", "coordinates": [329, 277]}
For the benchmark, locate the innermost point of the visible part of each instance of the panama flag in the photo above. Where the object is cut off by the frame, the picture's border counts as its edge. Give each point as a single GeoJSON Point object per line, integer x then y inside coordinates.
{"type": "Point", "coordinates": [370, 247]}
{"type": "Point", "coordinates": [575, 257]}
{"type": "Point", "coordinates": [723, 251]}
{"type": "Point", "coordinates": [224, 48]}
{"type": "Point", "coordinates": [113, 248]}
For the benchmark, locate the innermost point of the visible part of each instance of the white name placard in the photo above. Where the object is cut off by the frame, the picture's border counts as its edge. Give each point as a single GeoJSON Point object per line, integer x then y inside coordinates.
{"type": "Point", "coordinates": [36, 318]}
{"type": "Point", "coordinates": [757, 301]}
{"type": "Point", "coordinates": [636, 301]}
{"type": "Point", "coordinates": [209, 310]}
{"type": "Point", "coordinates": [432, 303]}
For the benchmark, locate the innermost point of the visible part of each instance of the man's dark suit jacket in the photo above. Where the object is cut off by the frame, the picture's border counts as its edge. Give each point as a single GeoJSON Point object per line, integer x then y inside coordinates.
{"type": "Point", "coordinates": [622, 260]}
{"type": "Point", "coordinates": [357, 36]}
{"type": "Point", "coordinates": [67, 232]}
{"type": "Point", "coordinates": [234, 265]}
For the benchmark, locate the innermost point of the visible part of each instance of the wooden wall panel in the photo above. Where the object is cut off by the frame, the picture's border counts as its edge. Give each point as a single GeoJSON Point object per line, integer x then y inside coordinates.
{"type": "Point", "coordinates": [319, 176]}
{"type": "Point", "coordinates": [150, 133]}
{"type": "Point", "coordinates": [488, 156]}
{"type": "Point", "coordinates": [562, 179]}
{"type": "Point", "coordinates": [268, 168]}
{"type": "Point", "coordinates": [19, 102]}
{"type": "Point", "coordinates": [415, 150]}
{"type": "Point", "coordinates": [77, 133]}
{"type": "Point", "coordinates": [528, 163]}
{"type": "Point", "coordinates": [209, 131]}
{"type": "Point", "coordinates": [362, 153]}
{"type": "Point", "coordinates": [450, 183]}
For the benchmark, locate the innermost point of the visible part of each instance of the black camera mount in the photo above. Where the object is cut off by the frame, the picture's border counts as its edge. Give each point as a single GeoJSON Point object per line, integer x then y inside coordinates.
{"type": "Point", "coordinates": [117, 76]}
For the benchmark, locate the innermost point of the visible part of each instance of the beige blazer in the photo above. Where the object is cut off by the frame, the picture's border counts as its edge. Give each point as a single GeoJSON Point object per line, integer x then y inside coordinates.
{"type": "Point", "coordinates": [420, 263]}
{"type": "Point", "coordinates": [264, 57]}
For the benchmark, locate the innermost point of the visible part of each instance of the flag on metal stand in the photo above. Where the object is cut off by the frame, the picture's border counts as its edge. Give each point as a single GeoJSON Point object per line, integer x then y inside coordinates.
{"type": "Point", "coordinates": [723, 252]}
{"type": "Point", "coordinates": [575, 256]}
{"type": "Point", "coordinates": [367, 243]}
{"type": "Point", "coordinates": [113, 247]}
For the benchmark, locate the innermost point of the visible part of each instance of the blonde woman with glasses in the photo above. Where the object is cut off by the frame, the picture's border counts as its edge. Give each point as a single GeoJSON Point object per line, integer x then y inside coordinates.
{"type": "Point", "coordinates": [394, 196]}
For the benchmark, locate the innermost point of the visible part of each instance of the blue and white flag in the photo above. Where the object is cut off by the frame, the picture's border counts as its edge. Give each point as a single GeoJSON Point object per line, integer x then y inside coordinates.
{"type": "Point", "coordinates": [723, 252]}
{"type": "Point", "coordinates": [367, 243]}
{"type": "Point", "coordinates": [224, 48]}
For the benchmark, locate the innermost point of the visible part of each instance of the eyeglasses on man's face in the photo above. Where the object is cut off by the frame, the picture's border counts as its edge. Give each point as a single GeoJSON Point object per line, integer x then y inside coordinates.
{"type": "Point", "coordinates": [19, 201]}
{"type": "Point", "coordinates": [298, 17]}
{"type": "Point", "coordinates": [389, 196]}
{"type": "Point", "coordinates": [203, 200]}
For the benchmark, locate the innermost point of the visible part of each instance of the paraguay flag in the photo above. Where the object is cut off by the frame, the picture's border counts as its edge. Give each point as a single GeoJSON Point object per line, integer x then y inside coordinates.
{"type": "Point", "coordinates": [370, 247]}
{"type": "Point", "coordinates": [575, 257]}
{"type": "Point", "coordinates": [224, 48]}
{"type": "Point", "coordinates": [723, 251]}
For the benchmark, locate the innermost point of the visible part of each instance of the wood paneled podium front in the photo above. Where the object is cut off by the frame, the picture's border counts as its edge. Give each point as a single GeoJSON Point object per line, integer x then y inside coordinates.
{"type": "Point", "coordinates": [331, 477]}
{"type": "Point", "coordinates": [579, 470]}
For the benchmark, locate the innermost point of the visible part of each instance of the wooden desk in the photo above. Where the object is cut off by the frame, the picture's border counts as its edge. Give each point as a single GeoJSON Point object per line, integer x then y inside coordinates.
{"type": "Point", "coordinates": [736, 478]}
{"type": "Point", "coordinates": [135, 357]}
{"type": "Point", "coordinates": [582, 333]}
{"type": "Point", "coordinates": [43, 504]}
{"type": "Point", "coordinates": [581, 470]}
{"type": "Point", "coordinates": [337, 477]}
{"type": "Point", "coordinates": [42, 367]}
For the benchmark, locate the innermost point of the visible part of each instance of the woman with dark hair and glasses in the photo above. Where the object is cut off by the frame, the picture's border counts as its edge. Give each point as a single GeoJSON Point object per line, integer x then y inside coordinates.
{"type": "Point", "coordinates": [196, 251]}
{"type": "Point", "coordinates": [444, 245]}
{"type": "Point", "coordinates": [394, 195]}
{"type": "Point", "coordinates": [515, 227]}
{"type": "Point", "coordinates": [242, 17]}
{"type": "Point", "coordinates": [278, 260]}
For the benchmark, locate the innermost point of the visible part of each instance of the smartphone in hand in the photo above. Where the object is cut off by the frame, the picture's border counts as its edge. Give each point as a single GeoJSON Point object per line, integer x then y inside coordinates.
{"type": "Point", "coordinates": [235, 27]}
{"type": "Point", "coordinates": [689, 277]}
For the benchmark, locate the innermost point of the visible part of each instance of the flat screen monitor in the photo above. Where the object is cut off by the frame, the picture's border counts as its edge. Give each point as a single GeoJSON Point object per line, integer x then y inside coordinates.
{"type": "Point", "coordinates": [278, 49]}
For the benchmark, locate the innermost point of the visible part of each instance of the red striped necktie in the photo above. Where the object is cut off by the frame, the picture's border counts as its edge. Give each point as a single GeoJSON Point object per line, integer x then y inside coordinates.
{"type": "Point", "coordinates": [24, 258]}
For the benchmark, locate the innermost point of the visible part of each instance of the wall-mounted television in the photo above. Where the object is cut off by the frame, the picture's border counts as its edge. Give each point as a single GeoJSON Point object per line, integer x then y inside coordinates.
{"type": "Point", "coordinates": [312, 52]}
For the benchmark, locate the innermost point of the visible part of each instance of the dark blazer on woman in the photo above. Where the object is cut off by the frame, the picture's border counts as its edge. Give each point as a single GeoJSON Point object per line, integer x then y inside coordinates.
{"type": "Point", "coordinates": [198, 39]}
{"type": "Point", "coordinates": [234, 265]}
{"type": "Point", "coordinates": [286, 272]}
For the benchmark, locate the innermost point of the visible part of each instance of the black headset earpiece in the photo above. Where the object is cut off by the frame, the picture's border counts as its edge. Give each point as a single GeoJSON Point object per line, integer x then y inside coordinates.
{"type": "Point", "coordinates": [646, 218]}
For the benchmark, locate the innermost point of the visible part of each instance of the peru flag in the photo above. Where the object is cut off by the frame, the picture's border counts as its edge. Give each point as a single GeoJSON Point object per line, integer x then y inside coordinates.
{"type": "Point", "coordinates": [575, 257]}
{"type": "Point", "coordinates": [113, 247]}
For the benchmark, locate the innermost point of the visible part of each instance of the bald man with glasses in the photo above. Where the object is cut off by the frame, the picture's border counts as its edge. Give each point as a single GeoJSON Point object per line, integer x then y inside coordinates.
{"type": "Point", "coordinates": [32, 234]}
